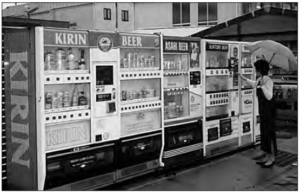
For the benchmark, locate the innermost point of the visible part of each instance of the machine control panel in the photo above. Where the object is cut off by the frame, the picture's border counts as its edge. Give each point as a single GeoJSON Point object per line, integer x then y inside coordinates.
{"type": "Point", "coordinates": [105, 90]}
{"type": "Point", "coordinates": [225, 127]}
{"type": "Point", "coordinates": [195, 78]}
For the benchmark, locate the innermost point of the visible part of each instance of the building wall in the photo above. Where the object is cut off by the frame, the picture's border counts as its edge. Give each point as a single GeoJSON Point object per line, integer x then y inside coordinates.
{"type": "Point", "coordinates": [90, 16]}
{"type": "Point", "coordinates": [81, 14]}
{"type": "Point", "coordinates": [114, 24]}
{"type": "Point", "coordinates": [153, 15]}
{"type": "Point", "coordinates": [160, 14]}
{"type": "Point", "coordinates": [126, 26]}
{"type": "Point", "coordinates": [227, 11]}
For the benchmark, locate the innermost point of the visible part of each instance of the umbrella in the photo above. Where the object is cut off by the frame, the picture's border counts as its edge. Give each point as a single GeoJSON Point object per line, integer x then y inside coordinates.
{"type": "Point", "coordinates": [275, 53]}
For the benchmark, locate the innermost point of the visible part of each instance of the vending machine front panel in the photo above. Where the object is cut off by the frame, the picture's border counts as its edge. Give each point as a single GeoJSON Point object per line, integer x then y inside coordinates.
{"type": "Point", "coordinates": [140, 150]}
{"type": "Point", "coordinates": [183, 135]}
{"type": "Point", "coordinates": [78, 164]}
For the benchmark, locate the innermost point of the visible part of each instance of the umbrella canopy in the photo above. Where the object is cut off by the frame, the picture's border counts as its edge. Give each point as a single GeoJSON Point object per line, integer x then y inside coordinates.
{"type": "Point", "coordinates": [275, 53]}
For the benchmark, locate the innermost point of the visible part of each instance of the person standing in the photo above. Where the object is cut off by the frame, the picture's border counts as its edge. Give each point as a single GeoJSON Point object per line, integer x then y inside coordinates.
{"type": "Point", "coordinates": [266, 108]}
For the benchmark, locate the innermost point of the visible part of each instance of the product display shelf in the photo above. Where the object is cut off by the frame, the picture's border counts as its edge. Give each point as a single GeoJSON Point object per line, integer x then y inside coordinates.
{"type": "Point", "coordinates": [71, 78]}
{"type": "Point", "coordinates": [217, 72]}
{"type": "Point", "coordinates": [139, 100]}
{"type": "Point", "coordinates": [175, 72]}
{"type": "Point", "coordinates": [142, 106]}
{"type": "Point", "coordinates": [140, 75]}
{"type": "Point", "coordinates": [175, 89]}
{"type": "Point", "coordinates": [139, 69]}
{"type": "Point", "coordinates": [64, 109]}
{"type": "Point", "coordinates": [50, 72]}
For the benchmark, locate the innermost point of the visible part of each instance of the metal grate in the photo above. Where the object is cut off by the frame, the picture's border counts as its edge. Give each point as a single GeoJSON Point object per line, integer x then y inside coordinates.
{"type": "Point", "coordinates": [284, 158]}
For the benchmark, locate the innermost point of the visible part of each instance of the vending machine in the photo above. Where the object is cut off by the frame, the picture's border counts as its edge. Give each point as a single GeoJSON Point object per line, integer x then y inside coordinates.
{"type": "Point", "coordinates": [53, 141]}
{"type": "Point", "coordinates": [141, 103]}
{"type": "Point", "coordinates": [182, 92]}
{"type": "Point", "coordinates": [221, 122]}
{"type": "Point", "coordinates": [247, 97]}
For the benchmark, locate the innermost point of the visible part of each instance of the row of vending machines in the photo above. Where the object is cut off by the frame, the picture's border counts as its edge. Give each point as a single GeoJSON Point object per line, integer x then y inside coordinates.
{"type": "Point", "coordinates": [87, 109]}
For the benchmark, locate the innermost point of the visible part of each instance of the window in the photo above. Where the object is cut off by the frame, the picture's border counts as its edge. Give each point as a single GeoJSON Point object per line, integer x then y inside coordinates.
{"type": "Point", "coordinates": [207, 13]}
{"type": "Point", "coordinates": [181, 14]}
{"type": "Point", "coordinates": [125, 16]}
{"type": "Point", "coordinates": [107, 14]}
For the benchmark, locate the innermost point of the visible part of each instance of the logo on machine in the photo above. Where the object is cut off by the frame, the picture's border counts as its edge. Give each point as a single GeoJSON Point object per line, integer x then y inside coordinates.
{"type": "Point", "coordinates": [140, 116]}
{"type": "Point", "coordinates": [248, 101]}
{"type": "Point", "coordinates": [104, 43]}
{"type": "Point", "coordinates": [105, 136]}
{"type": "Point", "coordinates": [192, 99]}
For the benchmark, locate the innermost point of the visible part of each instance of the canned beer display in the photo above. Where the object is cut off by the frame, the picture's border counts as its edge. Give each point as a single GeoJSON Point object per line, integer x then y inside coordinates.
{"type": "Point", "coordinates": [136, 95]}
{"type": "Point", "coordinates": [138, 62]}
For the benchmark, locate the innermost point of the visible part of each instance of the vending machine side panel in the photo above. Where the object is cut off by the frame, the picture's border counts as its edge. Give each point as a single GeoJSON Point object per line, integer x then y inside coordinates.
{"type": "Point", "coordinates": [20, 91]}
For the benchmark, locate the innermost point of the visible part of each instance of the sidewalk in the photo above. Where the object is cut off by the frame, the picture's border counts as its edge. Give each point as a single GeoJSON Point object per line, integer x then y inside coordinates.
{"type": "Point", "coordinates": [234, 173]}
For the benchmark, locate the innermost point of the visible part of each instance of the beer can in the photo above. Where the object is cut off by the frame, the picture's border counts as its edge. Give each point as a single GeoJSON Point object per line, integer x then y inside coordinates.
{"type": "Point", "coordinates": [142, 62]}
{"type": "Point", "coordinates": [181, 108]}
{"type": "Point", "coordinates": [130, 60]}
{"type": "Point", "coordinates": [135, 60]}
{"type": "Point", "coordinates": [140, 94]}
{"type": "Point", "coordinates": [153, 61]}
{"type": "Point", "coordinates": [124, 95]}
{"type": "Point", "coordinates": [132, 96]}
{"type": "Point", "coordinates": [48, 100]}
{"type": "Point", "coordinates": [147, 63]}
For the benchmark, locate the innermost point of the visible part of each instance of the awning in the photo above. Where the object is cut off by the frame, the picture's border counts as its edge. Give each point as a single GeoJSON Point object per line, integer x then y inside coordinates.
{"type": "Point", "coordinates": [267, 23]}
{"type": "Point", "coordinates": [179, 31]}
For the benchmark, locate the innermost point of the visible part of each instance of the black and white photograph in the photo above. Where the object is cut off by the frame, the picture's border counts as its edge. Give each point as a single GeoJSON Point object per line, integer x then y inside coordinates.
{"type": "Point", "coordinates": [149, 96]}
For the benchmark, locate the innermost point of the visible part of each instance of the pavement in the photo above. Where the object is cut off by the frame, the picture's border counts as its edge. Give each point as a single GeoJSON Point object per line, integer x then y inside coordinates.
{"type": "Point", "coordinates": [236, 172]}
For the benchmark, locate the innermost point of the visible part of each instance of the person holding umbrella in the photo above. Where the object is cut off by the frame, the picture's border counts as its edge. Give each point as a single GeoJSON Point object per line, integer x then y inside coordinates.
{"type": "Point", "coordinates": [266, 108]}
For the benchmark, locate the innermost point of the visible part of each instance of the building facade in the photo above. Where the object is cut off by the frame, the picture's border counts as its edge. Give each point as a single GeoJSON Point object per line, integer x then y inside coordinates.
{"type": "Point", "coordinates": [139, 15]}
{"type": "Point", "coordinates": [93, 16]}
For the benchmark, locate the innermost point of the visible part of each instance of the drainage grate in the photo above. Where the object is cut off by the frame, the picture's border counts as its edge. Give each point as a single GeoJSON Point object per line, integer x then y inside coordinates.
{"type": "Point", "coordinates": [284, 158]}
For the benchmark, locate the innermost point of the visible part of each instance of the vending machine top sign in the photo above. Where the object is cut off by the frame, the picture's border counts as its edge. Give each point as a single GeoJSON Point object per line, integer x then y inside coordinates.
{"type": "Point", "coordinates": [64, 38]}
{"type": "Point", "coordinates": [139, 40]}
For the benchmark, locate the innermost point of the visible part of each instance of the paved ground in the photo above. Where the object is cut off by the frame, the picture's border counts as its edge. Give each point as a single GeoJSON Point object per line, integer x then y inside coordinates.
{"type": "Point", "coordinates": [237, 172]}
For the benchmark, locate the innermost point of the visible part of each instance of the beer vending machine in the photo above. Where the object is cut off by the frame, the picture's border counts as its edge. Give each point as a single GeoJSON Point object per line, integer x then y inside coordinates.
{"type": "Point", "coordinates": [182, 85]}
{"type": "Point", "coordinates": [57, 136]}
{"type": "Point", "coordinates": [221, 122]}
{"type": "Point", "coordinates": [141, 102]}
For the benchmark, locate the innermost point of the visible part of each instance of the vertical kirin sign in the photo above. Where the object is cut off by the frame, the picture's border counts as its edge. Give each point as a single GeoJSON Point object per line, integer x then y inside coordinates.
{"type": "Point", "coordinates": [20, 112]}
